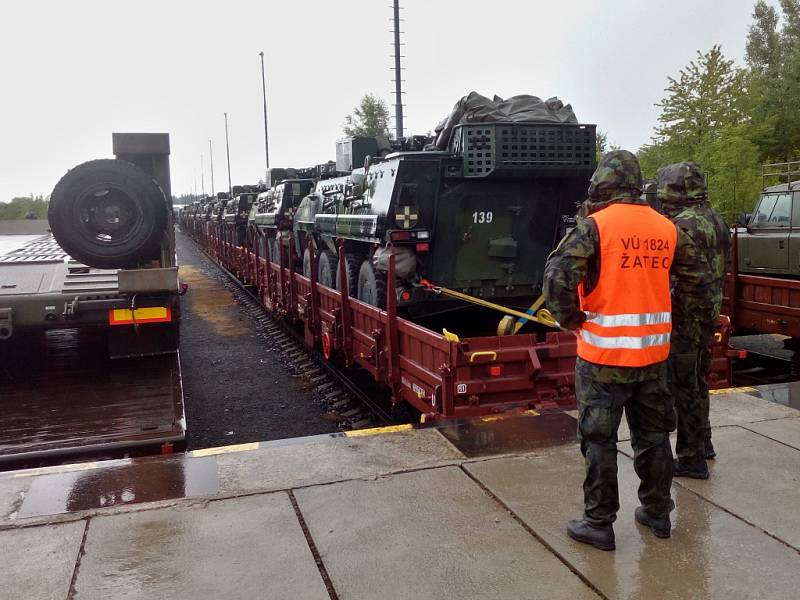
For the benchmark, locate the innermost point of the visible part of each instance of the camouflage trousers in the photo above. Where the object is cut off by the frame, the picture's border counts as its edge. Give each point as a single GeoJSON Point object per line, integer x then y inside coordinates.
{"type": "Point", "coordinates": [651, 416]}
{"type": "Point", "coordinates": [689, 364]}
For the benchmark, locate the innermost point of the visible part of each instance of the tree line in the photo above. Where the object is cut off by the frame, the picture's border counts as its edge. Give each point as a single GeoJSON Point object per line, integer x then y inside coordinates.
{"type": "Point", "coordinates": [732, 119]}
{"type": "Point", "coordinates": [31, 207]}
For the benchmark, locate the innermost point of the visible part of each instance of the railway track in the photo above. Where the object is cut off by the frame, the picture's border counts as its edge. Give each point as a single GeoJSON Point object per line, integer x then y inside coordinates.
{"type": "Point", "coordinates": [349, 397]}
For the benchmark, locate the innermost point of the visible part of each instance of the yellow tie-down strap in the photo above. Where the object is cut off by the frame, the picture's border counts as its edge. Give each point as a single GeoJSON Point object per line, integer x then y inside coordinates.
{"type": "Point", "coordinates": [150, 314]}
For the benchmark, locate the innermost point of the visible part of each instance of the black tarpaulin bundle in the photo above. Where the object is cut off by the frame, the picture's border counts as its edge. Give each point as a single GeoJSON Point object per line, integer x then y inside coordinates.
{"type": "Point", "coordinates": [475, 108]}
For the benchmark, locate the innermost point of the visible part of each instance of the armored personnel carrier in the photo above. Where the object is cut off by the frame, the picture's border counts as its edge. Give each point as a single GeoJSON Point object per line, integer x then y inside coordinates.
{"type": "Point", "coordinates": [273, 211]}
{"type": "Point", "coordinates": [237, 212]}
{"type": "Point", "coordinates": [478, 210]}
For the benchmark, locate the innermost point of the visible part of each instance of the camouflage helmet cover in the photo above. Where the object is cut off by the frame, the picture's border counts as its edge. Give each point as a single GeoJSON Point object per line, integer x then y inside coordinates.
{"type": "Point", "coordinates": [618, 171]}
{"type": "Point", "coordinates": [681, 183]}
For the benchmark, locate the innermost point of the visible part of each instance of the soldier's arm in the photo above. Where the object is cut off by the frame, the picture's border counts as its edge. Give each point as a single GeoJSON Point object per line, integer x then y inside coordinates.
{"type": "Point", "coordinates": [690, 268]}
{"type": "Point", "coordinates": [566, 267]}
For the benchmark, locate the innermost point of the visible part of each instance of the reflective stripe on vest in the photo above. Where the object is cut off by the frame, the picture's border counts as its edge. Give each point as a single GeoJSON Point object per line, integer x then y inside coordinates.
{"type": "Point", "coordinates": [629, 313]}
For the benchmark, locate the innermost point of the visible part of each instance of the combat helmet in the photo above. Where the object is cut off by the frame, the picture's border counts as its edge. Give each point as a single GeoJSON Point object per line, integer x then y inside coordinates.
{"type": "Point", "coordinates": [681, 183]}
{"type": "Point", "coordinates": [618, 172]}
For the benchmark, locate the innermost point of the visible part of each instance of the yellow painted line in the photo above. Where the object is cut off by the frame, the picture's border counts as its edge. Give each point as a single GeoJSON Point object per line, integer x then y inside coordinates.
{"type": "Point", "coordinates": [224, 449]}
{"type": "Point", "coordinates": [735, 390]}
{"type": "Point", "coordinates": [379, 430]}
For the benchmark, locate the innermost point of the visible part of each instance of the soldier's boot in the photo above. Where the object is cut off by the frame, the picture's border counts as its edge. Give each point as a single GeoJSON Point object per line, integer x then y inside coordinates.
{"type": "Point", "coordinates": [599, 537]}
{"type": "Point", "coordinates": [697, 469]}
{"type": "Point", "coordinates": [708, 449]}
{"type": "Point", "coordinates": [661, 526]}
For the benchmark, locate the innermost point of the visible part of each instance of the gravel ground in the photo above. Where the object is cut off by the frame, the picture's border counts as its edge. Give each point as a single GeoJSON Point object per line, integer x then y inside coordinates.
{"type": "Point", "coordinates": [236, 389]}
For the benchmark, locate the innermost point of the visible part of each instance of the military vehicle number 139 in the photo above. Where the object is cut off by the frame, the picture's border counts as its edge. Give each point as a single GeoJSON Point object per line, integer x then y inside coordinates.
{"type": "Point", "coordinates": [482, 217]}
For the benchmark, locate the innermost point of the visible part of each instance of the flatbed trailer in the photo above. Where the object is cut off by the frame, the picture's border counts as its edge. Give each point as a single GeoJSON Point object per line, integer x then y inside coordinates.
{"type": "Point", "coordinates": [61, 393]}
{"type": "Point", "coordinates": [89, 359]}
{"type": "Point", "coordinates": [443, 377]}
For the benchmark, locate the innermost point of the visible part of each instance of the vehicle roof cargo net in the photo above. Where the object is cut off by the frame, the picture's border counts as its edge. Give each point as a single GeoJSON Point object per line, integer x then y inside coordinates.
{"type": "Point", "coordinates": [517, 135]}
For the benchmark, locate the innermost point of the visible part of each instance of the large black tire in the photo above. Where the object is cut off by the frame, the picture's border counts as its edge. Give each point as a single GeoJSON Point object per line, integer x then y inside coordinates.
{"type": "Point", "coordinates": [326, 268]}
{"type": "Point", "coordinates": [108, 214]}
{"type": "Point", "coordinates": [371, 285]}
{"type": "Point", "coordinates": [352, 263]}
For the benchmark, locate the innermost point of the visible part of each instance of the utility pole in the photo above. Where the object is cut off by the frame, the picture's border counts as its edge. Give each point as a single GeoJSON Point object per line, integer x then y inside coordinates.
{"type": "Point", "coordinates": [228, 153]}
{"type": "Point", "coordinates": [398, 82]}
{"type": "Point", "coordinates": [211, 157]}
{"type": "Point", "coordinates": [202, 178]}
{"type": "Point", "coordinates": [266, 136]}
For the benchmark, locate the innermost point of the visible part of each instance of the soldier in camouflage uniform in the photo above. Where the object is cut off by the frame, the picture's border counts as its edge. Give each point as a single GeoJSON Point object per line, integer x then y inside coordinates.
{"type": "Point", "coordinates": [603, 392]}
{"type": "Point", "coordinates": [695, 310]}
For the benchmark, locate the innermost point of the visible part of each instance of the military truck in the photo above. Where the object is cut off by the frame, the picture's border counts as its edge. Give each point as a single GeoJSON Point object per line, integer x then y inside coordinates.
{"type": "Point", "coordinates": [769, 238]}
{"type": "Point", "coordinates": [479, 210]}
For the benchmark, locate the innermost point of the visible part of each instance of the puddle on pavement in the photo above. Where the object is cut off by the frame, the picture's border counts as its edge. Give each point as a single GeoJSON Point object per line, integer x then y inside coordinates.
{"type": "Point", "coordinates": [787, 394]}
{"type": "Point", "coordinates": [508, 434]}
{"type": "Point", "coordinates": [142, 480]}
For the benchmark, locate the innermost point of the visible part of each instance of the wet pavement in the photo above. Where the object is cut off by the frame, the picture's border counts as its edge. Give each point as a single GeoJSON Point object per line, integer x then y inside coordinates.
{"type": "Point", "coordinates": [468, 510]}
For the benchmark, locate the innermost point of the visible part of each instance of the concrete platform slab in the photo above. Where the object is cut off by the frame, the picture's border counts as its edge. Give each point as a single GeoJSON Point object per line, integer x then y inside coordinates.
{"type": "Point", "coordinates": [739, 408]}
{"type": "Point", "coordinates": [757, 479]}
{"type": "Point", "coordinates": [785, 431]}
{"type": "Point", "coordinates": [734, 408]}
{"type": "Point", "coordinates": [238, 548]}
{"type": "Point", "coordinates": [12, 493]}
{"type": "Point", "coordinates": [333, 459]}
{"type": "Point", "coordinates": [711, 554]}
{"type": "Point", "coordinates": [430, 534]}
{"type": "Point", "coordinates": [38, 562]}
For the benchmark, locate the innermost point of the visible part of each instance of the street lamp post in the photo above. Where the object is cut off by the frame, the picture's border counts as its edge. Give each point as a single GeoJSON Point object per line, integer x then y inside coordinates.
{"type": "Point", "coordinates": [228, 153]}
{"type": "Point", "coordinates": [266, 135]}
{"type": "Point", "coordinates": [211, 158]}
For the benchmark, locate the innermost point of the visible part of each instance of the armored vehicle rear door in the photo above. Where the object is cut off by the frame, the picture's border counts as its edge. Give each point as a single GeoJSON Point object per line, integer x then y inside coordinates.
{"type": "Point", "coordinates": [768, 235]}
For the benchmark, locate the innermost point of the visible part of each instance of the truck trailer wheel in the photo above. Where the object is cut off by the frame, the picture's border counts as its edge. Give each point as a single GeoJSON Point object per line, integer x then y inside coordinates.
{"type": "Point", "coordinates": [326, 269]}
{"type": "Point", "coordinates": [371, 285]}
{"type": "Point", "coordinates": [108, 214]}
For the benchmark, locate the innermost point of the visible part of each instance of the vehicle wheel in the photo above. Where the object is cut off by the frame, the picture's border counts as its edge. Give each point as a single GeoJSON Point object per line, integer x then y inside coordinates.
{"type": "Point", "coordinates": [352, 263]}
{"type": "Point", "coordinates": [326, 269]}
{"type": "Point", "coordinates": [307, 263]}
{"type": "Point", "coordinates": [371, 285]}
{"type": "Point", "coordinates": [108, 214]}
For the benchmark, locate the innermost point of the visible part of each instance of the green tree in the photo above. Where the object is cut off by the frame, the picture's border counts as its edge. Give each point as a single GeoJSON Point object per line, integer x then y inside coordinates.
{"type": "Point", "coordinates": [773, 55]}
{"type": "Point", "coordinates": [705, 118]}
{"type": "Point", "coordinates": [705, 96]}
{"type": "Point", "coordinates": [24, 207]}
{"type": "Point", "coordinates": [370, 117]}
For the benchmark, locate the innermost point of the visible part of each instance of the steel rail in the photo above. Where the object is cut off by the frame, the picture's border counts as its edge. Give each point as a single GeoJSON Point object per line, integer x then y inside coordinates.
{"type": "Point", "coordinates": [338, 374]}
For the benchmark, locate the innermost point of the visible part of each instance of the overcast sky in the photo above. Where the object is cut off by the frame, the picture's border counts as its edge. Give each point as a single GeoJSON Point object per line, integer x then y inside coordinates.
{"type": "Point", "coordinates": [74, 71]}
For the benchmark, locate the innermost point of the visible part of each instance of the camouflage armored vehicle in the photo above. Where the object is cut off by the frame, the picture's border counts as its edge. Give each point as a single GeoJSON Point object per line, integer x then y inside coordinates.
{"type": "Point", "coordinates": [479, 210]}
{"type": "Point", "coordinates": [274, 210]}
{"type": "Point", "coordinates": [237, 212]}
{"type": "Point", "coordinates": [769, 238]}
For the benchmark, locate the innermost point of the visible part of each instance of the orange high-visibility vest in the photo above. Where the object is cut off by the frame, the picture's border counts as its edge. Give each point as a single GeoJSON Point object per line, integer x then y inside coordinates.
{"type": "Point", "coordinates": [629, 312]}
